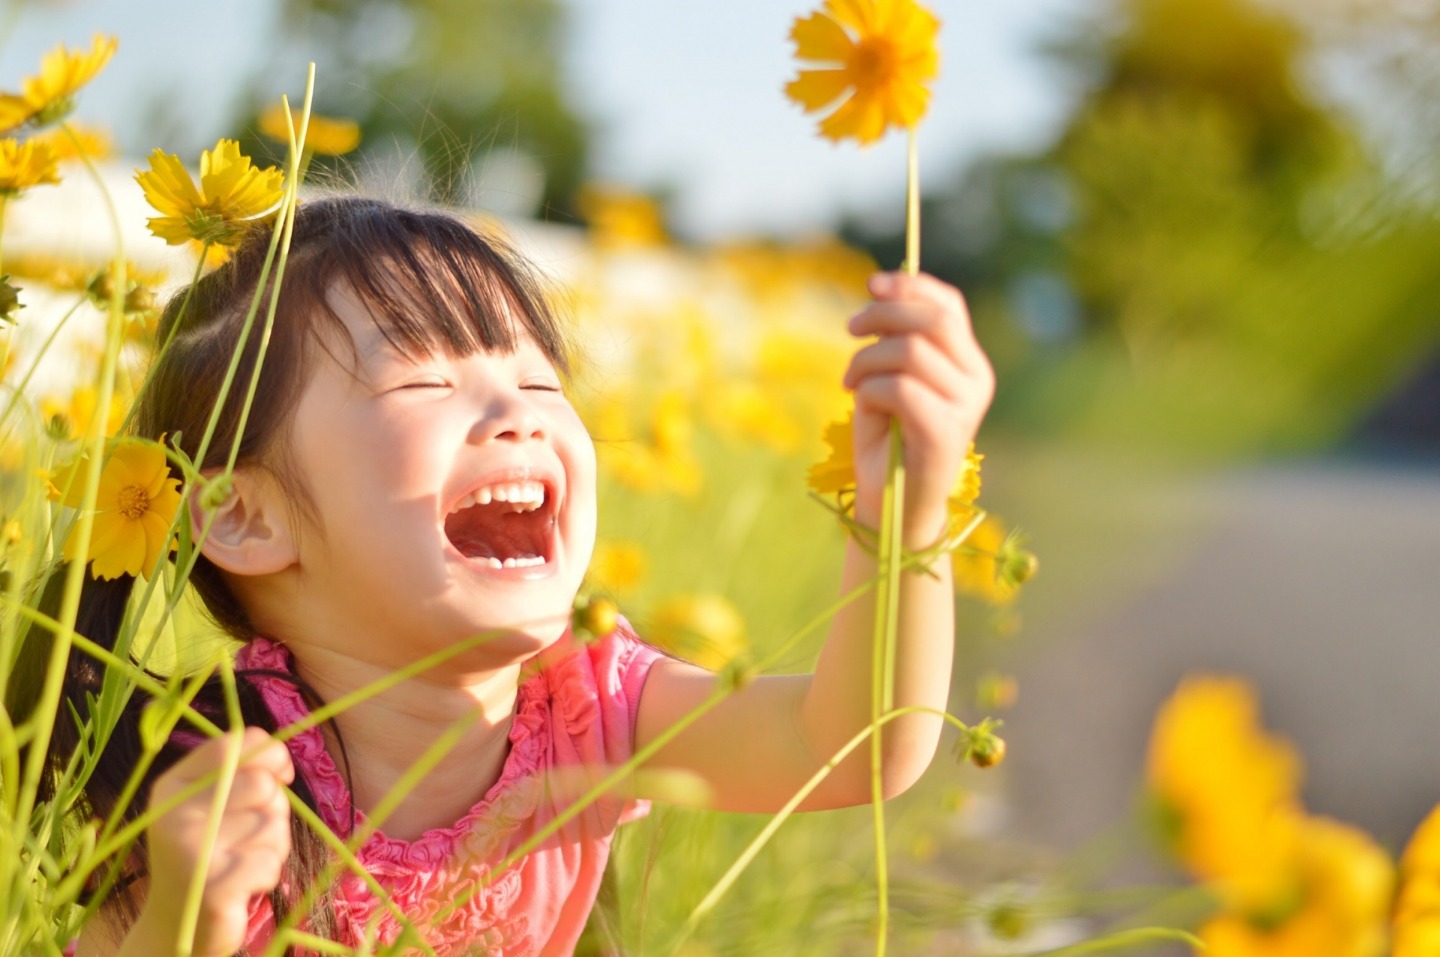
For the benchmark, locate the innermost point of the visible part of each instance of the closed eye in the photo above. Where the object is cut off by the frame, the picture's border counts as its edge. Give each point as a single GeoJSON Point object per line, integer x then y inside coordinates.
{"type": "Point", "coordinates": [426, 384]}
{"type": "Point", "coordinates": [541, 387]}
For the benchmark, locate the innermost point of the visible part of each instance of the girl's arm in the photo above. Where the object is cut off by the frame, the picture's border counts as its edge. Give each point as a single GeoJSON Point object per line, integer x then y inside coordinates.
{"type": "Point", "coordinates": [760, 745]}
{"type": "Point", "coordinates": [250, 850]}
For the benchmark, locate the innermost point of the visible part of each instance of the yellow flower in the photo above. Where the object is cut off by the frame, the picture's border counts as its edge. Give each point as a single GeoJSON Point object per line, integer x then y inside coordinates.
{"type": "Point", "coordinates": [620, 218]}
{"type": "Point", "coordinates": [1417, 907]}
{"type": "Point", "coordinates": [1229, 790]}
{"type": "Point", "coordinates": [72, 419]}
{"type": "Point", "coordinates": [617, 566]}
{"type": "Point", "coordinates": [76, 141]}
{"type": "Point", "coordinates": [50, 96]}
{"type": "Point", "coordinates": [137, 502]}
{"type": "Point", "coordinates": [880, 52]}
{"type": "Point", "coordinates": [704, 629]}
{"type": "Point", "coordinates": [232, 197]}
{"type": "Point", "coordinates": [23, 165]}
{"type": "Point", "coordinates": [1335, 905]}
{"type": "Point", "coordinates": [325, 136]}
{"type": "Point", "coordinates": [836, 475]}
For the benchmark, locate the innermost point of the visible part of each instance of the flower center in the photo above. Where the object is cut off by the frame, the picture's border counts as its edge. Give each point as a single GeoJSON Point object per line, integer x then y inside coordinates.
{"type": "Point", "coordinates": [874, 61]}
{"type": "Point", "coordinates": [134, 503]}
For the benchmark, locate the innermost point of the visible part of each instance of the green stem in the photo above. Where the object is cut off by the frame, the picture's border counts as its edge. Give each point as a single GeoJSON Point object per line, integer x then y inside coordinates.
{"type": "Point", "coordinates": [727, 880]}
{"type": "Point", "coordinates": [1125, 938]}
{"type": "Point", "coordinates": [912, 205]}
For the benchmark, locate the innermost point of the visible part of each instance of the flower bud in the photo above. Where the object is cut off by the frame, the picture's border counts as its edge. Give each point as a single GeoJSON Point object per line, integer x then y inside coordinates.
{"type": "Point", "coordinates": [9, 300]}
{"type": "Point", "coordinates": [139, 300]}
{"type": "Point", "coordinates": [593, 617]}
{"type": "Point", "coordinates": [980, 745]}
{"type": "Point", "coordinates": [1015, 564]}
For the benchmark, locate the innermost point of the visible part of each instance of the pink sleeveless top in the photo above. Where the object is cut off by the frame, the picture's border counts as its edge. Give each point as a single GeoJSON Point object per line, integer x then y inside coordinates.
{"type": "Point", "coordinates": [575, 717]}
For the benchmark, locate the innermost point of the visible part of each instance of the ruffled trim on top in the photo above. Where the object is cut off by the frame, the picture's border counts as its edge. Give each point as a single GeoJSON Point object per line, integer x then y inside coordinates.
{"type": "Point", "coordinates": [503, 807]}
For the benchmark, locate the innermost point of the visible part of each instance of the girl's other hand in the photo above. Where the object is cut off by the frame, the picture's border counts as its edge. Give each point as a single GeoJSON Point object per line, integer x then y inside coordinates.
{"type": "Point", "coordinates": [249, 853]}
{"type": "Point", "coordinates": [926, 370]}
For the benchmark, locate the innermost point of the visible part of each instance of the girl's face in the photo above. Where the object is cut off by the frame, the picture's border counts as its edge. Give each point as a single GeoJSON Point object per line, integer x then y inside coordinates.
{"type": "Point", "coordinates": [454, 495]}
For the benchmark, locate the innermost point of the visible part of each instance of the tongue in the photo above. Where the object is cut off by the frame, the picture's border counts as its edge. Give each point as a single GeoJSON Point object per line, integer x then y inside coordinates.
{"type": "Point", "coordinates": [495, 531]}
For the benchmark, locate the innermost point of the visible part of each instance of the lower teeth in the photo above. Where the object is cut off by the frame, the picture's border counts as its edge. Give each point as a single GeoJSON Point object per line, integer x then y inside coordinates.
{"type": "Point", "coordinates": [525, 561]}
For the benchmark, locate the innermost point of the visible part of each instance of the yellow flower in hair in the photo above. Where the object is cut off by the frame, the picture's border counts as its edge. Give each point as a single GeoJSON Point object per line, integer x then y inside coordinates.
{"type": "Point", "coordinates": [137, 501]}
{"type": "Point", "coordinates": [23, 165]}
{"type": "Point", "coordinates": [876, 54]}
{"type": "Point", "coordinates": [50, 96]}
{"type": "Point", "coordinates": [326, 136]}
{"type": "Point", "coordinates": [233, 195]}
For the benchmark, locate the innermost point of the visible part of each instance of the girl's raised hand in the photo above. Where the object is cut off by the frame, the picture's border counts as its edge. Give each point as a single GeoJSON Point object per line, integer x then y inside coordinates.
{"type": "Point", "coordinates": [249, 853]}
{"type": "Point", "coordinates": [926, 370]}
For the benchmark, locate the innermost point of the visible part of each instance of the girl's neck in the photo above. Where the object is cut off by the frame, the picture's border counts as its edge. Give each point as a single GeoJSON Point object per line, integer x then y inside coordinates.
{"type": "Point", "coordinates": [386, 734]}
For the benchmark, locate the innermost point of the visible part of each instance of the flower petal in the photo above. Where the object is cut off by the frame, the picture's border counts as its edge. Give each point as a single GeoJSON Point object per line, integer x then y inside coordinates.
{"type": "Point", "coordinates": [818, 37]}
{"type": "Point", "coordinates": [816, 89]}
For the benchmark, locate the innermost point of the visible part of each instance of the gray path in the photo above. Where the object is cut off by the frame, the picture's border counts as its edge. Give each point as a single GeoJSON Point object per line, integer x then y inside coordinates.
{"type": "Point", "coordinates": [1321, 582]}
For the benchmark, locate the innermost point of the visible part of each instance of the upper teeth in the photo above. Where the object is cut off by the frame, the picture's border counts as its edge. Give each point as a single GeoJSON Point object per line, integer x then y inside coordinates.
{"type": "Point", "coordinates": [523, 496]}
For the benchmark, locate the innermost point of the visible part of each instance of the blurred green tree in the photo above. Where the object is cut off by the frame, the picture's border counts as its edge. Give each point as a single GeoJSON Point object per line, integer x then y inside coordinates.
{"type": "Point", "coordinates": [468, 91]}
{"type": "Point", "coordinates": [1221, 261]}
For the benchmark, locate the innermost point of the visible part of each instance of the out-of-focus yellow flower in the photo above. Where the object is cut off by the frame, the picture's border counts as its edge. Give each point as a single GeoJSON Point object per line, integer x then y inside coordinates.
{"type": "Point", "coordinates": [617, 566]}
{"type": "Point", "coordinates": [979, 564]}
{"type": "Point", "coordinates": [664, 460]}
{"type": "Point", "coordinates": [704, 629]}
{"type": "Point", "coordinates": [877, 54]}
{"type": "Point", "coordinates": [137, 502]}
{"type": "Point", "coordinates": [233, 195]}
{"type": "Point", "coordinates": [71, 275]}
{"type": "Point", "coordinates": [76, 141]}
{"type": "Point", "coordinates": [1417, 907]}
{"type": "Point", "coordinates": [325, 135]}
{"type": "Point", "coordinates": [1334, 904]}
{"type": "Point", "coordinates": [621, 218]}
{"type": "Point", "coordinates": [745, 410]}
{"type": "Point", "coordinates": [1229, 789]}
{"type": "Point", "coordinates": [27, 164]}
{"type": "Point", "coordinates": [71, 419]}
{"type": "Point", "coordinates": [50, 96]}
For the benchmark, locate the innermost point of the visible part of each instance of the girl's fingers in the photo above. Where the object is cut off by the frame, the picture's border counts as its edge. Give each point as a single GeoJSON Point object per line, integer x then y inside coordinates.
{"type": "Point", "coordinates": [911, 355]}
{"type": "Point", "coordinates": [920, 304]}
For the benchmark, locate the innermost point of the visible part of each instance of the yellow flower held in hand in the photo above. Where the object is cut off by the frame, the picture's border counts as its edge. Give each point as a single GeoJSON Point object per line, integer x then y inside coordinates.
{"type": "Point", "coordinates": [50, 96]}
{"type": "Point", "coordinates": [137, 502]}
{"type": "Point", "coordinates": [325, 136]}
{"type": "Point", "coordinates": [233, 195]}
{"type": "Point", "coordinates": [879, 52]}
{"type": "Point", "coordinates": [23, 165]}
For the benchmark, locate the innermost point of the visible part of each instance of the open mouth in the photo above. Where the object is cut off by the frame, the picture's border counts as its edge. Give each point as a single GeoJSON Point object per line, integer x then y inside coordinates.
{"type": "Point", "coordinates": [507, 524]}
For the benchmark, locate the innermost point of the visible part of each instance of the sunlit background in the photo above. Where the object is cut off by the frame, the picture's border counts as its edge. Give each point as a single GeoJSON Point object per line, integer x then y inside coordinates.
{"type": "Point", "coordinates": [1200, 241]}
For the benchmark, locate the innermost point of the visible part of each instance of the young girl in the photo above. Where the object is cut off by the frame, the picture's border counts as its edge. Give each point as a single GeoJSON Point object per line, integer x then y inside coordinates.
{"type": "Point", "coordinates": [412, 475]}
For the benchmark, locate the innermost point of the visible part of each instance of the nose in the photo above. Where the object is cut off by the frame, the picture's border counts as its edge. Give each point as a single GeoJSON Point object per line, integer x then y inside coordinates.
{"type": "Point", "coordinates": [507, 418]}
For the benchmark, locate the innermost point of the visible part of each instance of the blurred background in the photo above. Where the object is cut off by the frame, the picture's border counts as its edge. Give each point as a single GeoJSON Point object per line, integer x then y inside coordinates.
{"type": "Point", "coordinates": [1201, 245]}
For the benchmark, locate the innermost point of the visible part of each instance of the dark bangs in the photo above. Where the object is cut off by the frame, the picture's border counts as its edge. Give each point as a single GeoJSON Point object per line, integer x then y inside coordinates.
{"type": "Point", "coordinates": [431, 283]}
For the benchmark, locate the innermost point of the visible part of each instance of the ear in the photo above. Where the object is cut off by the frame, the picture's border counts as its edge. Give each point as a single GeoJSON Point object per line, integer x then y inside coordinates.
{"type": "Point", "coordinates": [250, 532]}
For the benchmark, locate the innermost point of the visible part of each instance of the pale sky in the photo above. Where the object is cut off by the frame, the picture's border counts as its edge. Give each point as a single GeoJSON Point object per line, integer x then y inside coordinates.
{"type": "Point", "coordinates": [681, 92]}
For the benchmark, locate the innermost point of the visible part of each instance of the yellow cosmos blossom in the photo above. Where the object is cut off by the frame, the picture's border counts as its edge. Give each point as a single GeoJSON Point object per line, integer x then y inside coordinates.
{"type": "Point", "coordinates": [1229, 789]}
{"type": "Point", "coordinates": [233, 195]}
{"type": "Point", "coordinates": [137, 502]}
{"type": "Point", "coordinates": [23, 165]}
{"type": "Point", "coordinates": [1335, 903]}
{"type": "Point", "coordinates": [50, 96]}
{"type": "Point", "coordinates": [1417, 907]}
{"type": "Point", "coordinates": [617, 566]}
{"type": "Point", "coordinates": [704, 629]}
{"type": "Point", "coordinates": [71, 420]}
{"type": "Point", "coordinates": [620, 218]}
{"type": "Point", "coordinates": [836, 475]}
{"type": "Point", "coordinates": [76, 141]}
{"type": "Point", "coordinates": [324, 135]}
{"type": "Point", "coordinates": [879, 52]}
